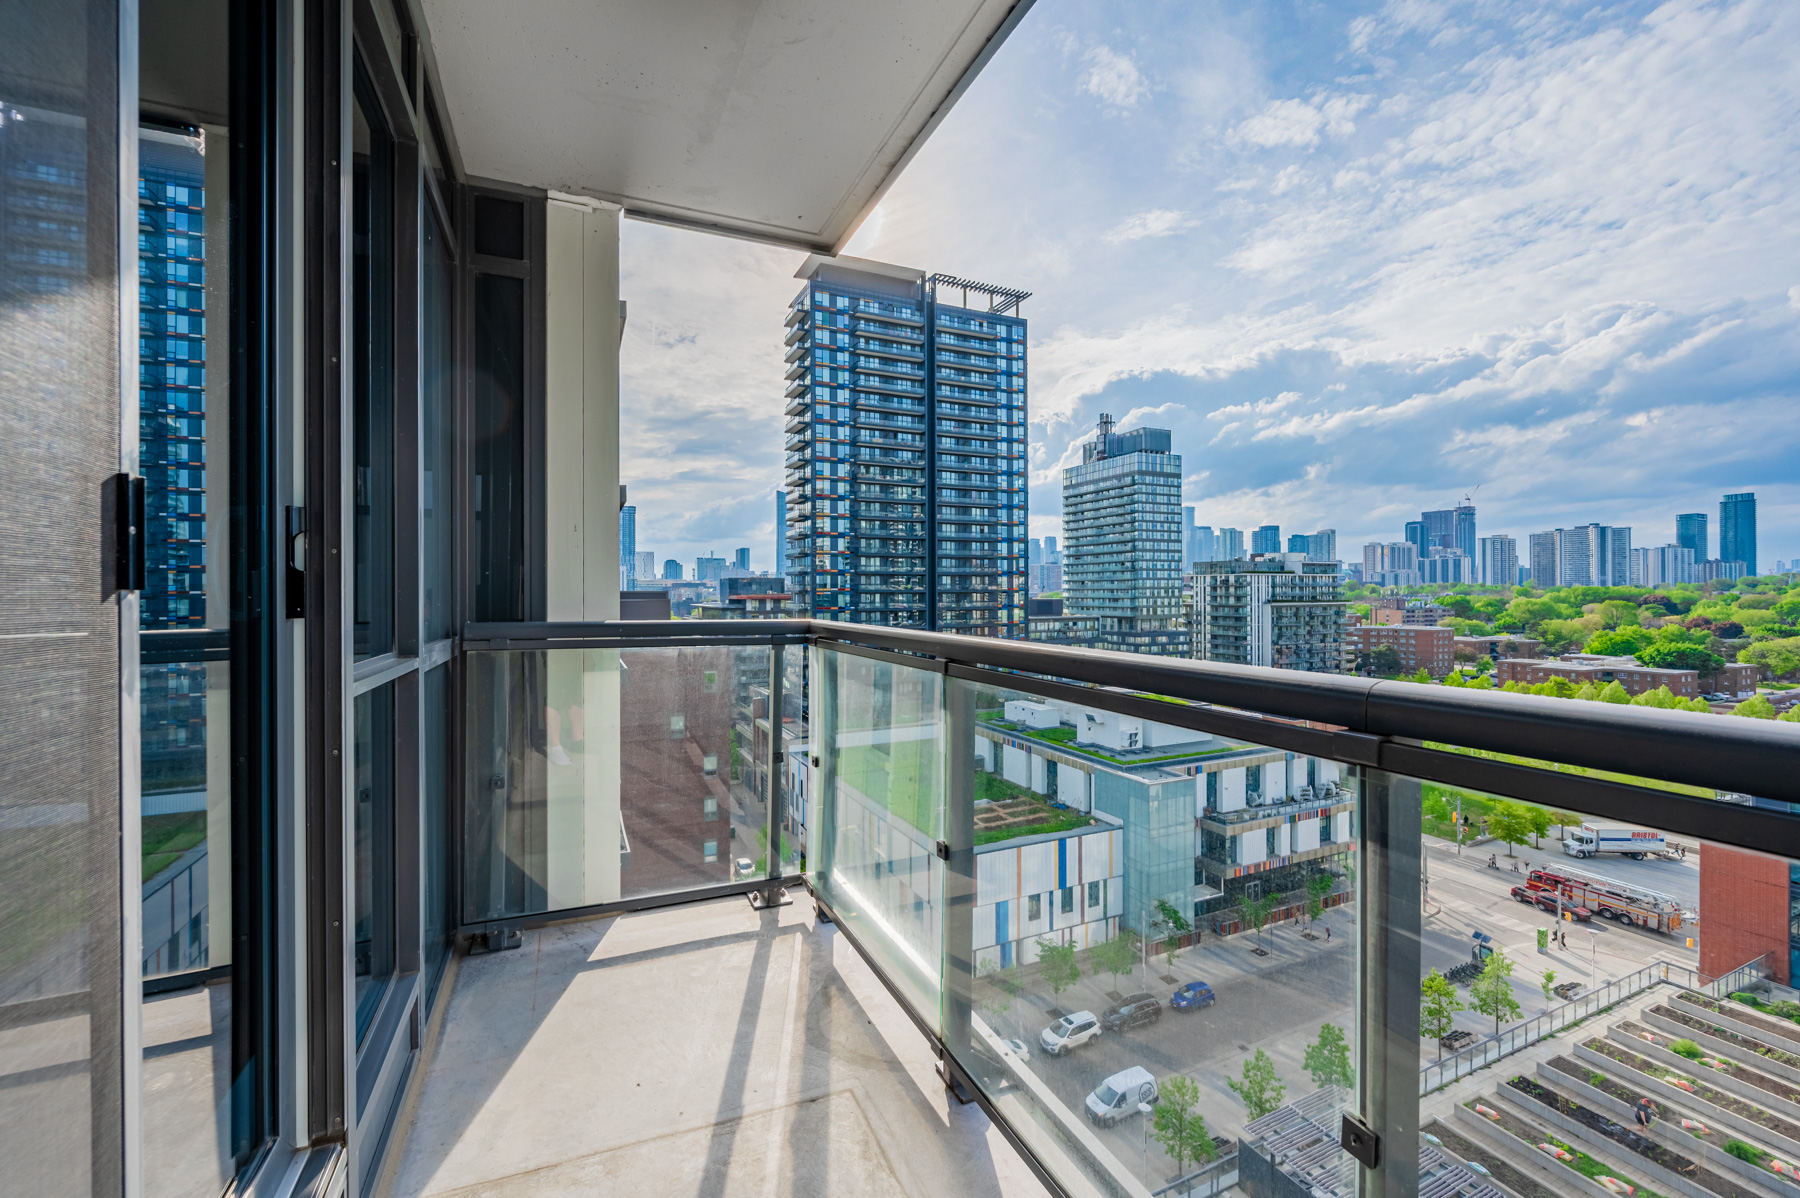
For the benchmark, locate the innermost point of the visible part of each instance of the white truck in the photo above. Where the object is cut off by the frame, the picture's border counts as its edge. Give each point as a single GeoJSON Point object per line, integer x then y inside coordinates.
{"type": "Point", "coordinates": [1592, 839]}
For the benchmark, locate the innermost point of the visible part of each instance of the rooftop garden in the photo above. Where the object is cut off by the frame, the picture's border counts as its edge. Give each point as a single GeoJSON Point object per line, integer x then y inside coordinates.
{"type": "Point", "coordinates": [1005, 811]}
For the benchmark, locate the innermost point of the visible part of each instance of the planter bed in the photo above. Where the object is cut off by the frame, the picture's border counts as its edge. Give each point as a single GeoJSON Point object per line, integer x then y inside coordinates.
{"type": "Point", "coordinates": [1668, 1168]}
{"type": "Point", "coordinates": [1742, 1017]}
{"type": "Point", "coordinates": [1581, 1172]}
{"type": "Point", "coordinates": [1619, 1096]}
{"type": "Point", "coordinates": [1777, 1132]}
{"type": "Point", "coordinates": [1780, 1096]}
{"type": "Point", "coordinates": [1501, 1170]}
{"type": "Point", "coordinates": [1724, 1041]}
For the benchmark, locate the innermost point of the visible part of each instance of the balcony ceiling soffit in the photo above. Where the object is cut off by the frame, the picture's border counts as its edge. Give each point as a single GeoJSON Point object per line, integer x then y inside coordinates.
{"type": "Point", "coordinates": [782, 120]}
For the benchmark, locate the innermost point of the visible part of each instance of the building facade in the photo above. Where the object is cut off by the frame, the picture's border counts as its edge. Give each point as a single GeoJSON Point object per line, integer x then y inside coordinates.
{"type": "Point", "coordinates": [1122, 540]}
{"type": "Point", "coordinates": [1270, 610]}
{"type": "Point", "coordinates": [781, 532]}
{"type": "Point", "coordinates": [1691, 534]}
{"type": "Point", "coordinates": [628, 548]}
{"type": "Point", "coordinates": [1582, 668]}
{"type": "Point", "coordinates": [1229, 546]}
{"type": "Point", "coordinates": [1737, 530]}
{"type": "Point", "coordinates": [1266, 539]}
{"type": "Point", "coordinates": [1393, 564]}
{"type": "Point", "coordinates": [906, 449]}
{"type": "Point", "coordinates": [1417, 646]}
{"type": "Point", "coordinates": [1498, 562]}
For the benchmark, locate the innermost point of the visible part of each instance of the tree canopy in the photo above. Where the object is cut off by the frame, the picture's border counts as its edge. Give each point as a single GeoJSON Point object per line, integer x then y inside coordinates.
{"type": "Point", "coordinates": [1178, 1125]}
{"type": "Point", "coordinates": [1260, 1090]}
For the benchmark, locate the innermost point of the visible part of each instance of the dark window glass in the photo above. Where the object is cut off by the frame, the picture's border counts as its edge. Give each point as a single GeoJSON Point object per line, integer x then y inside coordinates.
{"type": "Point", "coordinates": [437, 403]}
{"type": "Point", "coordinates": [434, 796]}
{"type": "Point", "coordinates": [497, 441]}
{"type": "Point", "coordinates": [372, 399]}
{"type": "Point", "coordinates": [499, 227]}
{"type": "Point", "coordinates": [374, 854]}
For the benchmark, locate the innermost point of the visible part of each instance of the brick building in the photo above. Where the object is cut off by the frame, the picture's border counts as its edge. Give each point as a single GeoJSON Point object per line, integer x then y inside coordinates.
{"type": "Point", "coordinates": [1417, 645]}
{"type": "Point", "coordinates": [1737, 679]}
{"type": "Point", "coordinates": [1501, 645]}
{"type": "Point", "coordinates": [1746, 908]}
{"type": "Point", "coordinates": [1412, 613]}
{"type": "Point", "coordinates": [1580, 668]}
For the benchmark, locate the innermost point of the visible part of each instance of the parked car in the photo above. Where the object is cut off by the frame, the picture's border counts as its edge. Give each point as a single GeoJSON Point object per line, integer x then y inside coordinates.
{"type": "Point", "coordinates": [1134, 1010]}
{"type": "Point", "coordinates": [1546, 901]}
{"type": "Point", "coordinates": [1071, 1031]}
{"type": "Point", "coordinates": [1191, 996]}
{"type": "Point", "coordinates": [745, 867]}
{"type": "Point", "coordinates": [1118, 1096]}
{"type": "Point", "coordinates": [1018, 1049]}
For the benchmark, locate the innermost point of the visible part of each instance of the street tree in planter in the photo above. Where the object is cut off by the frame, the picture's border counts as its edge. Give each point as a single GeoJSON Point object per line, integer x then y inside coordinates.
{"type": "Point", "coordinates": [1057, 961]}
{"type": "Point", "coordinates": [1328, 1060]}
{"type": "Point", "coordinates": [1259, 1088]}
{"type": "Point", "coordinates": [1318, 888]}
{"type": "Point", "coordinates": [1179, 1127]}
{"type": "Point", "coordinates": [1492, 992]}
{"type": "Point", "coordinates": [1438, 1005]}
{"type": "Point", "coordinates": [1509, 823]}
{"type": "Point", "coordinates": [1174, 925]}
{"type": "Point", "coordinates": [1116, 956]}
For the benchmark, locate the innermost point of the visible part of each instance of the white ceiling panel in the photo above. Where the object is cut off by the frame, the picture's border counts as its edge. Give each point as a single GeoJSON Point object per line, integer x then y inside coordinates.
{"type": "Point", "coordinates": [782, 120]}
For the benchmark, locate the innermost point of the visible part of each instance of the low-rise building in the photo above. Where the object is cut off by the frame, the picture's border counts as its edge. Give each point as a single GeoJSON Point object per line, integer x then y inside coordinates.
{"type": "Point", "coordinates": [1736, 679]}
{"type": "Point", "coordinates": [1580, 668]}
{"type": "Point", "coordinates": [1501, 645]}
{"type": "Point", "coordinates": [749, 599]}
{"type": "Point", "coordinates": [1417, 612]}
{"type": "Point", "coordinates": [1434, 649]}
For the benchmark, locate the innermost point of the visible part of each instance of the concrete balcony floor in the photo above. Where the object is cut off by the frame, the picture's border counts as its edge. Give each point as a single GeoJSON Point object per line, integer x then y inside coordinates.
{"type": "Point", "coordinates": [708, 1050]}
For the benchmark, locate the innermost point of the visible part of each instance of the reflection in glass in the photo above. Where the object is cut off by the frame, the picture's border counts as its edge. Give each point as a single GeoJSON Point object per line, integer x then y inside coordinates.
{"type": "Point", "coordinates": [374, 855]}
{"type": "Point", "coordinates": [186, 815]}
{"type": "Point", "coordinates": [437, 398]}
{"type": "Point", "coordinates": [596, 775]}
{"type": "Point", "coordinates": [882, 797]}
{"type": "Point", "coordinates": [372, 398]}
{"type": "Point", "coordinates": [497, 448]}
{"type": "Point", "coordinates": [434, 797]}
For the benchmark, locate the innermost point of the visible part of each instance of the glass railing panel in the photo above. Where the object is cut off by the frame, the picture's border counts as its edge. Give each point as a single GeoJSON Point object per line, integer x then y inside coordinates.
{"type": "Point", "coordinates": [1155, 916]}
{"type": "Point", "coordinates": [878, 815]}
{"type": "Point", "coordinates": [600, 775]}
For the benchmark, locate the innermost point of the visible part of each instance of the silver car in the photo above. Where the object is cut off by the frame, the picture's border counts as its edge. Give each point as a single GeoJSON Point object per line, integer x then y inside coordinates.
{"type": "Point", "coordinates": [1071, 1031]}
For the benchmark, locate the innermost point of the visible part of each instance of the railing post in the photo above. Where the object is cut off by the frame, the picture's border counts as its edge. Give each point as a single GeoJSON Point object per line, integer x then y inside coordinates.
{"type": "Point", "coordinates": [959, 865]}
{"type": "Point", "coordinates": [1388, 1007]}
{"type": "Point", "coordinates": [821, 739]}
{"type": "Point", "coordinates": [772, 777]}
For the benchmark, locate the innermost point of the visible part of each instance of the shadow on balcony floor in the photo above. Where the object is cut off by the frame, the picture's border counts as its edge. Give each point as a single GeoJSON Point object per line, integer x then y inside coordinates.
{"type": "Point", "coordinates": [708, 1050]}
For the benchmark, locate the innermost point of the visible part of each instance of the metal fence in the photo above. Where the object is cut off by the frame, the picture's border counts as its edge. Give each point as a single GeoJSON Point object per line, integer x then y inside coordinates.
{"type": "Point", "coordinates": [1465, 1061]}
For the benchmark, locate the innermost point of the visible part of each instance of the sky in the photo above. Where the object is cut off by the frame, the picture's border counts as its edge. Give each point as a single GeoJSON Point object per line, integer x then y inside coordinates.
{"type": "Point", "coordinates": [1362, 259]}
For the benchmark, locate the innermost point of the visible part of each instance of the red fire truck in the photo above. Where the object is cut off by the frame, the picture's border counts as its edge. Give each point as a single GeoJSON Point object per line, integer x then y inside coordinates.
{"type": "Point", "coordinates": [1610, 898]}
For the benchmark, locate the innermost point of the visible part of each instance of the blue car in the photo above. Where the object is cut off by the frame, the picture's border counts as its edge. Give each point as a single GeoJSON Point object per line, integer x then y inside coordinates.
{"type": "Point", "coordinates": [1192, 996]}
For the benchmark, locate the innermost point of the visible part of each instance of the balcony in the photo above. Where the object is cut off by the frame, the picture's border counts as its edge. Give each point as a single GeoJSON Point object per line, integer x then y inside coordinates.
{"type": "Point", "coordinates": [929, 935]}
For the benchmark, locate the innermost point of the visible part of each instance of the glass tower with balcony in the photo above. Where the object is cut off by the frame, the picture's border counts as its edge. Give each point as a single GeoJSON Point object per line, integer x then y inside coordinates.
{"type": "Point", "coordinates": [906, 407]}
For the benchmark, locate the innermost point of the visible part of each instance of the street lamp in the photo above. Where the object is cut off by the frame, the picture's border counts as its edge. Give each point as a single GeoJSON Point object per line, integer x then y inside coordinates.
{"type": "Point", "coordinates": [1144, 1113]}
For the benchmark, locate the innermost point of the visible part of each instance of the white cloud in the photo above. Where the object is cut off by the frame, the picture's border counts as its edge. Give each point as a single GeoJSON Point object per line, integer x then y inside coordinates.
{"type": "Point", "coordinates": [1114, 78]}
{"type": "Point", "coordinates": [1158, 222]}
{"type": "Point", "coordinates": [1299, 122]}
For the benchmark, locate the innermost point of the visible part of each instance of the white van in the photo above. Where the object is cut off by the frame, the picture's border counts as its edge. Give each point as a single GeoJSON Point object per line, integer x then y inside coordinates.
{"type": "Point", "coordinates": [1119, 1095]}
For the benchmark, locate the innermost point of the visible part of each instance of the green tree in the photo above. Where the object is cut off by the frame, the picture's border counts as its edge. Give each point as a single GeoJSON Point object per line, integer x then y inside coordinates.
{"type": "Point", "coordinates": [1538, 819]}
{"type": "Point", "coordinates": [1588, 692]}
{"type": "Point", "coordinates": [1057, 963]}
{"type": "Point", "coordinates": [1116, 956]}
{"type": "Point", "coordinates": [1617, 614]}
{"type": "Point", "coordinates": [1621, 642]}
{"type": "Point", "coordinates": [1780, 657]}
{"type": "Point", "coordinates": [1438, 1005]}
{"type": "Point", "coordinates": [1668, 655]}
{"type": "Point", "coordinates": [1549, 985]}
{"type": "Point", "coordinates": [1564, 820]}
{"type": "Point", "coordinates": [1510, 823]}
{"type": "Point", "coordinates": [1492, 992]}
{"type": "Point", "coordinates": [1174, 926]}
{"type": "Point", "coordinates": [1259, 1089]}
{"type": "Point", "coordinates": [1178, 1125]}
{"type": "Point", "coordinates": [1254, 913]}
{"type": "Point", "coordinates": [1698, 705]}
{"type": "Point", "coordinates": [1328, 1060]}
{"type": "Point", "coordinates": [1422, 677]}
{"type": "Point", "coordinates": [1662, 697]}
{"type": "Point", "coordinates": [1614, 692]}
{"type": "Point", "coordinates": [1755, 707]}
{"type": "Point", "coordinates": [1790, 716]}
{"type": "Point", "coordinates": [1319, 886]}
{"type": "Point", "coordinates": [1384, 660]}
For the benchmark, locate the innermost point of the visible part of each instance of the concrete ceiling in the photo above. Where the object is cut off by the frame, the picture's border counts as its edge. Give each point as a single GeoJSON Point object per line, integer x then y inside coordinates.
{"type": "Point", "coordinates": [779, 120]}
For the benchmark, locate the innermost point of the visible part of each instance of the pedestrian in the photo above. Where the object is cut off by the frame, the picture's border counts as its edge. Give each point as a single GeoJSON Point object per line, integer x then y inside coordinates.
{"type": "Point", "coordinates": [1645, 1112]}
{"type": "Point", "coordinates": [1328, 933]}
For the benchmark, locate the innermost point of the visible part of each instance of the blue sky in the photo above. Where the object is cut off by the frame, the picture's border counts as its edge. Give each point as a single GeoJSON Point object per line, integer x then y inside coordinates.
{"type": "Point", "coordinates": [1362, 259]}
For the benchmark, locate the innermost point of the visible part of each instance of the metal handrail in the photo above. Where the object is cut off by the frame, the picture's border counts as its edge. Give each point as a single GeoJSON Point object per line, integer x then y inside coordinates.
{"type": "Point", "coordinates": [1760, 757]}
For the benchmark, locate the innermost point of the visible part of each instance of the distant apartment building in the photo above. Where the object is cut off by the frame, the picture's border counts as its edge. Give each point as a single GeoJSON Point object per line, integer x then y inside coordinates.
{"type": "Point", "coordinates": [1582, 668]}
{"type": "Point", "coordinates": [1720, 570]}
{"type": "Point", "coordinates": [1228, 547]}
{"type": "Point", "coordinates": [1413, 611]}
{"type": "Point", "coordinates": [1417, 538]}
{"type": "Point", "coordinates": [1416, 645]}
{"type": "Point", "coordinates": [1737, 530]}
{"type": "Point", "coordinates": [748, 599]}
{"type": "Point", "coordinates": [1591, 555]}
{"type": "Point", "coordinates": [1664, 565]}
{"type": "Point", "coordinates": [646, 565]}
{"type": "Point", "coordinates": [1691, 534]}
{"type": "Point", "coordinates": [628, 548]}
{"type": "Point", "coordinates": [1266, 539]}
{"type": "Point", "coordinates": [1318, 546]}
{"type": "Point", "coordinates": [1393, 564]}
{"type": "Point", "coordinates": [906, 448]}
{"type": "Point", "coordinates": [671, 570]}
{"type": "Point", "coordinates": [1269, 610]}
{"type": "Point", "coordinates": [1122, 540]}
{"type": "Point", "coordinates": [741, 559]}
{"type": "Point", "coordinates": [1452, 529]}
{"type": "Point", "coordinates": [1498, 560]}
{"type": "Point", "coordinates": [781, 564]}
{"type": "Point", "coordinates": [1447, 567]}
